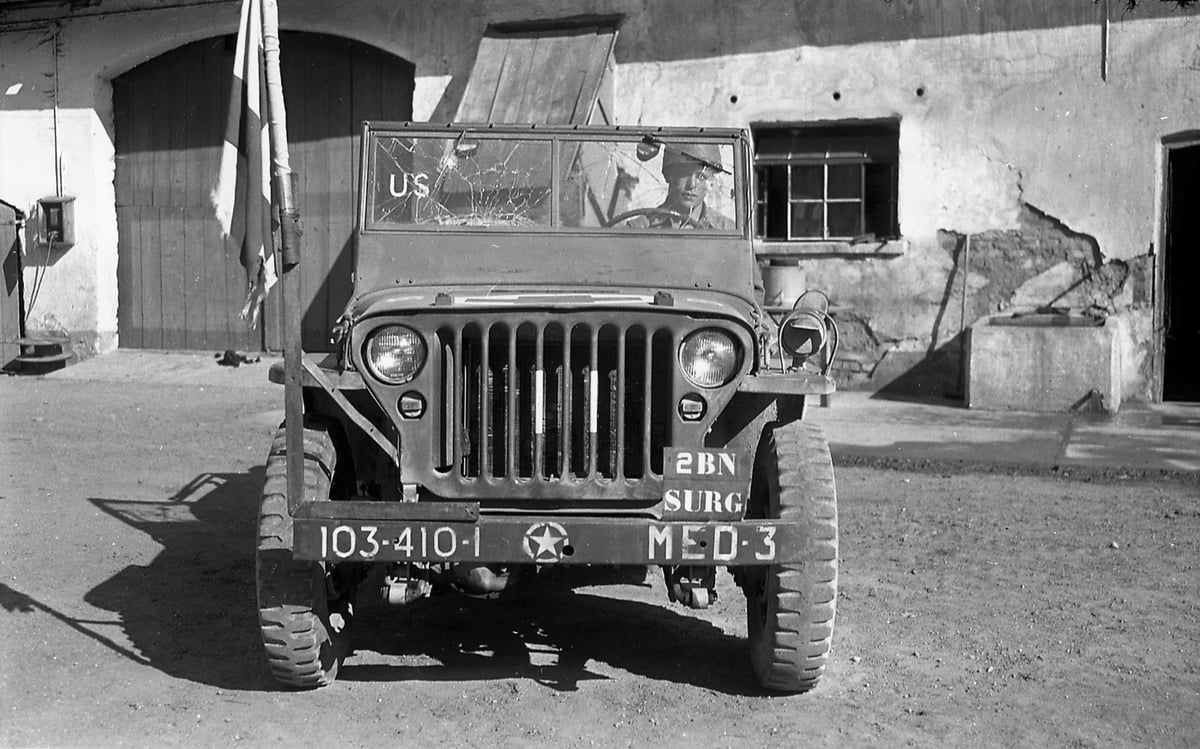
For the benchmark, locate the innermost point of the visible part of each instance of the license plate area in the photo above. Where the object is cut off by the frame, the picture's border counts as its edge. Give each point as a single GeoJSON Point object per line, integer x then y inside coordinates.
{"type": "Point", "coordinates": [549, 540]}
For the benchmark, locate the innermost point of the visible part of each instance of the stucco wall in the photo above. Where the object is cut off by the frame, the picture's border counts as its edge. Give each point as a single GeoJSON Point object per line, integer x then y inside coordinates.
{"type": "Point", "coordinates": [75, 287]}
{"type": "Point", "coordinates": [1007, 135]}
{"type": "Point", "coordinates": [1010, 138]}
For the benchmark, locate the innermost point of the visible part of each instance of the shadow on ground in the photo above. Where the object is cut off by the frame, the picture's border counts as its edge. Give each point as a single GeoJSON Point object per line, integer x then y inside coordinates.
{"type": "Point", "coordinates": [554, 635]}
{"type": "Point", "coordinates": [191, 613]}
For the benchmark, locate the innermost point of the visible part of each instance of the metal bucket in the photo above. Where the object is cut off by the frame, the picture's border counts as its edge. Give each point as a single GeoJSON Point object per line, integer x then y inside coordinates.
{"type": "Point", "coordinates": [783, 284]}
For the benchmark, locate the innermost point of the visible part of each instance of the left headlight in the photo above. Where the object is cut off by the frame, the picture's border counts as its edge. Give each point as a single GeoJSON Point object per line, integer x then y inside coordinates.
{"type": "Point", "coordinates": [394, 354]}
{"type": "Point", "coordinates": [709, 358]}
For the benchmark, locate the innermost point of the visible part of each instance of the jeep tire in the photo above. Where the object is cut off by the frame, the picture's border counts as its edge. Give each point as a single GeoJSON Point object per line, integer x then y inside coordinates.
{"type": "Point", "coordinates": [303, 649]}
{"type": "Point", "coordinates": [790, 607]}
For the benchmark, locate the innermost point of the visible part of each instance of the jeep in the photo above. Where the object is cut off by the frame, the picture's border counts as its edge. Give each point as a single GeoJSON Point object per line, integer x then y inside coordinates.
{"type": "Point", "coordinates": [556, 355]}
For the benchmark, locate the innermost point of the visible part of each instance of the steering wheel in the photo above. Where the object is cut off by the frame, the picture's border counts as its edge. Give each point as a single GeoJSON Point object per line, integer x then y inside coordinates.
{"type": "Point", "coordinates": [683, 218]}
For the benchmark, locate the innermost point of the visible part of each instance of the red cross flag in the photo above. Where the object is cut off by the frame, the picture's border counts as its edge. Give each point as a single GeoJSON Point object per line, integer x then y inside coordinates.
{"type": "Point", "coordinates": [242, 195]}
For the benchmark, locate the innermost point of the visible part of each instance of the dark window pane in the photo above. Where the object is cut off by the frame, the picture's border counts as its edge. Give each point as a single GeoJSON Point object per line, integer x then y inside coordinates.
{"type": "Point", "coordinates": [776, 222]}
{"type": "Point", "coordinates": [773, 188]}
{"type": "Point", "coordinates": [761, 175]}
{"type": "Point", "coordinates": [845, 181]}
{"type": "Point", "coordinates": [881, 201]}
{"type": "Point", "coordinates": [808, 181]}
{"type": "Point", "coordinates": [776, 182]}
{"type": "Point", "coordinates": [844, 220]}
{"type": "Point", "coordinates": [808, 221]}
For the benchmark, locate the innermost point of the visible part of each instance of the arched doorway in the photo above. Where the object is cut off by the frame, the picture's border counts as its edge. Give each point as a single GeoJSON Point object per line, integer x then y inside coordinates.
{"type": "Point", "coordinates": [179, 287]}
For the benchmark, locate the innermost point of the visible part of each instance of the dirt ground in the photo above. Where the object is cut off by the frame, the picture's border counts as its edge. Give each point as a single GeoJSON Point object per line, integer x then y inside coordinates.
{"type": "Point", "coordinates": [975, 609]}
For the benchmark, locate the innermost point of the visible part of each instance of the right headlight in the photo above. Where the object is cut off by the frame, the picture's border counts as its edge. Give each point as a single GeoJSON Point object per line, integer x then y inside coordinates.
{"type": "Point", "coordinates": [394, 354]}
{"type": "Point", "coordinates": [709, 358]}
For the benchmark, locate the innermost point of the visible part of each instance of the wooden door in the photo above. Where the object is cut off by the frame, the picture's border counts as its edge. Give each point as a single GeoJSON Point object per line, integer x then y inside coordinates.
{"type": "Point", "coordinates": [179, 285]}
{"type": "Point", "coordinates": [545, 73]}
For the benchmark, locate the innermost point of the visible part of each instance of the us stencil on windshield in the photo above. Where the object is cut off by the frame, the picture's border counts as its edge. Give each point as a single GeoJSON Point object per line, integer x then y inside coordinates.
{"type": "Point", "coordinates": [459, 182]}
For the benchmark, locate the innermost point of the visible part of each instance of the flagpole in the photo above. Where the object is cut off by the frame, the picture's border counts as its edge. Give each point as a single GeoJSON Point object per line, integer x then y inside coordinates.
{"type": "Point", "coordinates": [282, 179]}
{"type": "Point", "coordinates": [281, 171]}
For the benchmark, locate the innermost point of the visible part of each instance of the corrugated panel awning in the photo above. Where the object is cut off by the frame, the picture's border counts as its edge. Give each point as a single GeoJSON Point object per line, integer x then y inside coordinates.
{"type": "Point", "coordinates": [548, 75]}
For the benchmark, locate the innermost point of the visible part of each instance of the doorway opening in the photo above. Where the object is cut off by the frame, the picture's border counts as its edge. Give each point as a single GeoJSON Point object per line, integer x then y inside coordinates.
{"type": "Point", "coordinates": [1181, 269]}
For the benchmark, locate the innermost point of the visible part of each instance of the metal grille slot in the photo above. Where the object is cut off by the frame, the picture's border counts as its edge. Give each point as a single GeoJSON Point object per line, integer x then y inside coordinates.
{"type": "Point", "coordinates": [554, 401]}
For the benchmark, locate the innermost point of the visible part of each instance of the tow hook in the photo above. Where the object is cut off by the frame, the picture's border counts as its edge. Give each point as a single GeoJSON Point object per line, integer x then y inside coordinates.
{"type": "Point", "coordinates": [694, 587]}
{"type": "Point", "coordinates": [342, 611]}
{"type": "Point", "coordinates": [341, 581]}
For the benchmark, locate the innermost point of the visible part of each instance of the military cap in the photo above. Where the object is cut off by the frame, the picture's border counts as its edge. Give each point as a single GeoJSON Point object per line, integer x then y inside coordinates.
{"type": "Point", "coordinates": [691, 155]}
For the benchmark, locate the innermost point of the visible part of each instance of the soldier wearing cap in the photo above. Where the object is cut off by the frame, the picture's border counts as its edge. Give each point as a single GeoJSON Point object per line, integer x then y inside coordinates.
{"type": "Point", "coordinates": [689, 170]}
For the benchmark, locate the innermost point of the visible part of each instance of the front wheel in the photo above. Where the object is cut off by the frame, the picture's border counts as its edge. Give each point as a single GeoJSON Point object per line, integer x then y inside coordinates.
{"type": "Point", "coordinates": [790, 607]}
{"type": "Point", "coordinates": [304, 607]}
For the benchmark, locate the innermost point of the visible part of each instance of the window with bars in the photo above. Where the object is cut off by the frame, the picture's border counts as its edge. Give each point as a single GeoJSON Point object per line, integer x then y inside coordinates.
{"type": "Point", "coordinates": [828, 182]}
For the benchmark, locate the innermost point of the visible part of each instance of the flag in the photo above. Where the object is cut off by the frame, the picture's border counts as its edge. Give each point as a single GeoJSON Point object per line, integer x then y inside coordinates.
{"type": "Point", "coordinates": [242, 194]}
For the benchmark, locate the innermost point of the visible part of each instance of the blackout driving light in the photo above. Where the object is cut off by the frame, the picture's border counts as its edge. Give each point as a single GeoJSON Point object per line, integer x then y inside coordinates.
{"type": "Point", "coordinates": [394, 354]}
{"type": "Point", "coordinates": [709, 358]}
{"type": "Point", "coordinates": [807, 331]}
{"type": "Point", "coordinates": [802, 333]}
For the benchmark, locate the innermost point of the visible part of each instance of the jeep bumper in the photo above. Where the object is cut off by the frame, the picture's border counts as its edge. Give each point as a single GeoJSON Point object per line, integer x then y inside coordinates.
{"type": "Point", "coordinates": [455, 532]}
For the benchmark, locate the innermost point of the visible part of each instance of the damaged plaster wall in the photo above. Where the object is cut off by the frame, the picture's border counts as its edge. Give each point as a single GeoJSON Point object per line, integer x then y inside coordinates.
{"type": "Point", "coordinates": [1011, 139]}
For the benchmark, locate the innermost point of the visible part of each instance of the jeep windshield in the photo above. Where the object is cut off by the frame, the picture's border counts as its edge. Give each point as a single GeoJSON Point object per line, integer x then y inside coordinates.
{"type": "Point", "coordinates": [585, 181]}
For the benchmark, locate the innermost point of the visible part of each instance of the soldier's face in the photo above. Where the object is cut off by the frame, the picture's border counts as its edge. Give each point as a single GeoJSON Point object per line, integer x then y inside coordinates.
{"type": "Point", "coordinates": [687, 186]}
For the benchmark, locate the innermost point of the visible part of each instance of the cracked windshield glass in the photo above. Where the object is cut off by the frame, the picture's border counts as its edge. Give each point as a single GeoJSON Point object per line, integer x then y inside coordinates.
{"type": "Point", "coordinates": [620, 185]}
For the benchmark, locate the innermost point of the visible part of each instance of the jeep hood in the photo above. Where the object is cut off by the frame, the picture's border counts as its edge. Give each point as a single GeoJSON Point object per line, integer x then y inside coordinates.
{"type": "Point", "coordinates": [460, 297]}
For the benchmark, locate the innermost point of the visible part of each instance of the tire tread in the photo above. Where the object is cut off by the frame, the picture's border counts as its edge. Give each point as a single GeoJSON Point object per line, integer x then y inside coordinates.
{"type": "Point", "coordinates": [300, 649]}
{"type": "Point", "coordinates": [792, 647]}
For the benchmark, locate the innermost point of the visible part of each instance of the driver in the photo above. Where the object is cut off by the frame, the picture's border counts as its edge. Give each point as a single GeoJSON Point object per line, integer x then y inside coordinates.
{"type": "Point", "coordinates": [689, 170]}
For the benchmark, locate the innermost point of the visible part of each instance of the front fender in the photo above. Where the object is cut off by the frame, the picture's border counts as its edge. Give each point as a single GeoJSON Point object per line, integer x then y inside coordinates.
{"type": "Point", "coordinates": [787, 383]}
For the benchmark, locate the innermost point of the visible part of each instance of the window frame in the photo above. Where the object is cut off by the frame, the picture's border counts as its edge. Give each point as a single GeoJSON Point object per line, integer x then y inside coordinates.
{"type": "Point", "coordinates": [846, 142]}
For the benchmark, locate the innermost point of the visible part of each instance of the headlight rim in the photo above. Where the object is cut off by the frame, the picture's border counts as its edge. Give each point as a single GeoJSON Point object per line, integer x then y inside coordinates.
{"type": "Point", "coordinates": [735, 345]}
{"type": "Point", "coordinates": [369, 362]}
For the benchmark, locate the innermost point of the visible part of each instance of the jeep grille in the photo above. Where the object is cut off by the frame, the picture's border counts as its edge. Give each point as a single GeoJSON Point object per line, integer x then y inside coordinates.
{"type": "Point", "coordinates": [557, 400]}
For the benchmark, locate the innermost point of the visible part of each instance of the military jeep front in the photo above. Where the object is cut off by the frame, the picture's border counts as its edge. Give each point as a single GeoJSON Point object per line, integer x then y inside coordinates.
{"type": "Point", "coordinates": [547, 362]}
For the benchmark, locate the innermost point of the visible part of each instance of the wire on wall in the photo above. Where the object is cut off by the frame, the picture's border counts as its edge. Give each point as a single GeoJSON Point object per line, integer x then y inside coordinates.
{"type": "Point", "coordinates": [58, 189]}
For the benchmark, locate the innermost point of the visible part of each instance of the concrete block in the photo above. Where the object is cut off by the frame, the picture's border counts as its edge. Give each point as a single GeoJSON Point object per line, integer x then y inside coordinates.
{"type": "Point", "coordinates": [1044, 363]}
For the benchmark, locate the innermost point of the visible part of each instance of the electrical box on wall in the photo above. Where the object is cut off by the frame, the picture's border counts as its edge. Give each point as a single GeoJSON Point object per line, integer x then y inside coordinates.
{"type": "Point", "coordinates": [58, 220]}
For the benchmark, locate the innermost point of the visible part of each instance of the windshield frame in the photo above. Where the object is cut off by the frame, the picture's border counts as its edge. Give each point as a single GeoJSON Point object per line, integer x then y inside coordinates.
{"type": "Point", "coordinates": [559, 139]}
